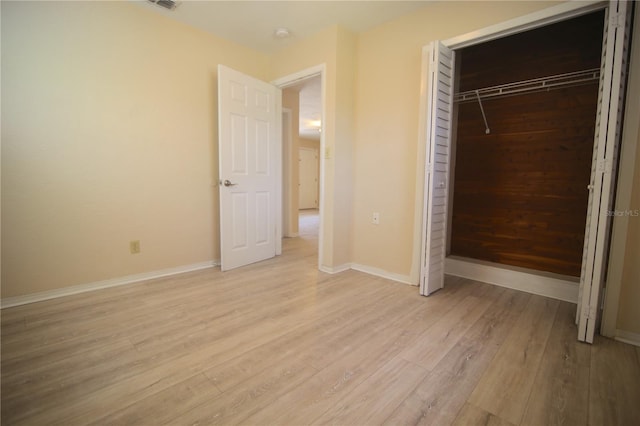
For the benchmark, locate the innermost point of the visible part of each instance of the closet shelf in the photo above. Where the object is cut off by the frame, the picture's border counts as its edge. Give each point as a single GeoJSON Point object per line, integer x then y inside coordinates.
{"type": "Point", "coordinates": [528, 86]}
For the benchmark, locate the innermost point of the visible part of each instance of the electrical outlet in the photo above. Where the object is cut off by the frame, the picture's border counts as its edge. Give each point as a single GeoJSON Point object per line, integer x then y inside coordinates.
{"type": "Point", "coordinates": [375, 219]}
{"type": "Point", "coordinates": [134, 247]}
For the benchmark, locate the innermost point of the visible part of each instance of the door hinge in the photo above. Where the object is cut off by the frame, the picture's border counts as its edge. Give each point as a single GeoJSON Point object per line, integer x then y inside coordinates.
{"type": "Point", "coordinates": [429, 168]}
{"type": "Point", "coordinates": [604, 166]}
{"type": "Point", "coordinates": [616, 20]}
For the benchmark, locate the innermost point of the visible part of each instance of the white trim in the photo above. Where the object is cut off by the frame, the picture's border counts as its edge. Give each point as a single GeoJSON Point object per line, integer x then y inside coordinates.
{"type": "Point", "coordinates": [284, 82]}
{"type": "Point", "coordinates": [404, 279]}
{"type": "Point", "coordinates": [287, 158]}
{"type": "Point", "coordinates": [370, 270]}
{"type": "Point", "coordinates": [524, 23]}
{"type": "Point", "coordinates": [628, 337]}
{"type": "Point", "coordinates": [335, 269]}
{"type": "Point", "coordinates": [543, 284]}
{"type": "Point", "coordinates": [278, 172]}
{"type": "Point", "coordinates": [296, 77]}
{"type": "Point", "coordinates": [9, 302]}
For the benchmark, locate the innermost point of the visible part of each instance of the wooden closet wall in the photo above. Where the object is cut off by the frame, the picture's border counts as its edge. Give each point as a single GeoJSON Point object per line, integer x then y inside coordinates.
{"type": "Point", "coordinates": [520, 193]}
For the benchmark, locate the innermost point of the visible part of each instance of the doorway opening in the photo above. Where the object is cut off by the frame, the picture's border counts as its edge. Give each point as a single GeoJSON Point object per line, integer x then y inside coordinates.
{"type": "Point", "coordinates": [303, 189]}
{"type": "Point", "coordinates": [438, 107]}
{"type": "Point", "coordinates": [523, 131]}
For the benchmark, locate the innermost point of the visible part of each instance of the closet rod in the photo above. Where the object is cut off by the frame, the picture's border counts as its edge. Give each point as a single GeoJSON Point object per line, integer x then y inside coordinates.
{"type": "Point", "coordinates": [527, 86]}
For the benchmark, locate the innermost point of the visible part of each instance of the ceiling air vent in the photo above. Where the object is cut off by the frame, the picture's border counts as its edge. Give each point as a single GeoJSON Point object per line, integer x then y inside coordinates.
{"type": "Point", "coordinates": [167, 4]}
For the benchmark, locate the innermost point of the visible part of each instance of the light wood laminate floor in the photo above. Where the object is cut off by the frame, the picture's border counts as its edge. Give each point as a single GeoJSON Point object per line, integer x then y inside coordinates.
{"type": "Point", "coordinates": [279, 343]}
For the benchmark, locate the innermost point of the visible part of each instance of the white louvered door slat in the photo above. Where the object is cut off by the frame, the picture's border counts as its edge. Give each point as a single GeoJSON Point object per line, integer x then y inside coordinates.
{"type": "Point", "coordinates": [438, 134]}
{"type": "Point", "coordinates": [588, 242]}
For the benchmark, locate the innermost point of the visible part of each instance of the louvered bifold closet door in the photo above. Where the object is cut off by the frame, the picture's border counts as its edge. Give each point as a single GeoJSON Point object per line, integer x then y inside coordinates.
{"type": "Point", "coordinates": [603, 170]}
{"type": "Point", "coordinates": [590, 242]}
{"type": "Point", "coordinates": [439, 113]}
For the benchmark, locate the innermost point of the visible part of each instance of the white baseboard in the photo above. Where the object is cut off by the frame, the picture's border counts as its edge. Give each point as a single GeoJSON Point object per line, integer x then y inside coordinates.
{"type": "Point", "coordinates": [335, 269]}
{"type": "Point", "coordinates": [540, 284]}
{"type": "Point", "coordinates": [404, 279]}
{"type": "Point", "coordinates": [628, 337]}
{"type": "Point", "coordinates": [99, 285]}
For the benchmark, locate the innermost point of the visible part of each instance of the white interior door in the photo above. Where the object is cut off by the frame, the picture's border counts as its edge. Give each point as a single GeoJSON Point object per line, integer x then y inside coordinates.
{"type": "Point", "coordinates": [603, 170]}
{"type": "Point", "coordinates": [440, 62]}
{"type": "Point", "coordinates": [249, 144]}
{"type": "Point", "coordinates": [308, 175]}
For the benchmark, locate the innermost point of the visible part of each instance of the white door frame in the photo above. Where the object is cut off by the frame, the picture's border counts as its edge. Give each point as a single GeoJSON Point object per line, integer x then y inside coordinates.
{"type": "Point", "coordinates": [287, 135]}
{"type": "Point", "coordinates": [290, 80]}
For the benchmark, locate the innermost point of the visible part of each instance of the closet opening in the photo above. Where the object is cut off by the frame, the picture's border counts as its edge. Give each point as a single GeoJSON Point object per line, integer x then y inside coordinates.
{"type": "Point", "coordinates": [524, 117]}
{"type": "Point", "coordinates": [526, 145]}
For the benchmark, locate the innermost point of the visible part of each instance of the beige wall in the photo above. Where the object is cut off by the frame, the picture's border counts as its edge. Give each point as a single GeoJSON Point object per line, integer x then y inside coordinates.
{"type": "Point", "coordinates": [343, 148]}
{"type": "Point", "coordinates": [109, 135]}
{"type": "Point", "coordinates": [629, 312]}
{"type": "Point", "coordinates": [628, 319]}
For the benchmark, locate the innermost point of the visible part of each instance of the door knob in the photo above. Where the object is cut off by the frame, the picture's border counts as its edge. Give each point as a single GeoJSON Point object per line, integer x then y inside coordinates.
{"type": "Point", "coordinates": [227, 182]}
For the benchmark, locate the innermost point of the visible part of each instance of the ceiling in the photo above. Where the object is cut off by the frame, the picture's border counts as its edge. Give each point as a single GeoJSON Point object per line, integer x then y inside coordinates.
{"type": "Point", "coordinates": [253, 23]}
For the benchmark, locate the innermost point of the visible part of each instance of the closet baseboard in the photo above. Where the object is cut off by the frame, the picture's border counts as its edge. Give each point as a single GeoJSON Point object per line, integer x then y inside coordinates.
{"type": "Point", "coordinates": [335, 269]}
{"type": "Point", "coordinates": [404, 279]}
{"type": "Point", "coordinates": [541, 284]}
{"type": "Point", "coordinates": [628, 337]}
